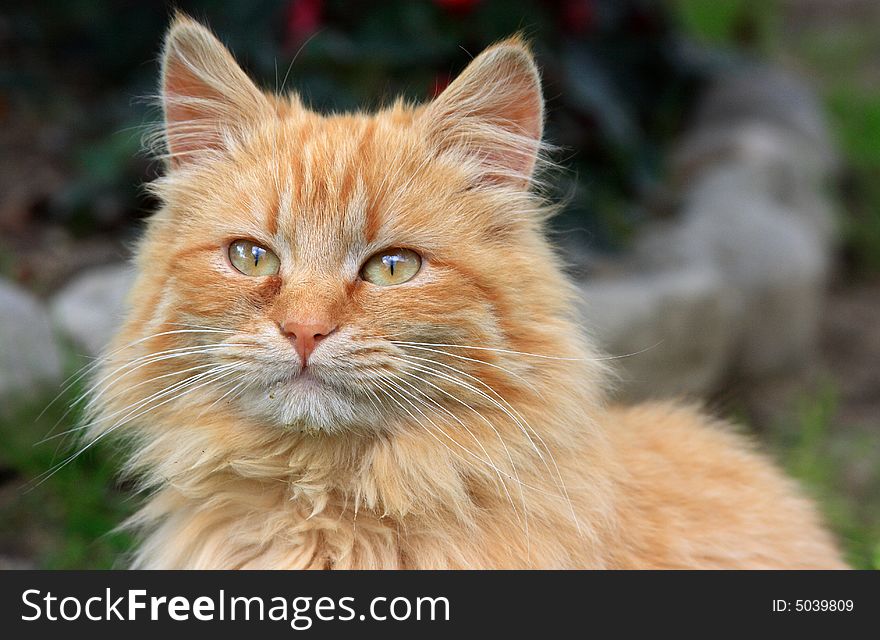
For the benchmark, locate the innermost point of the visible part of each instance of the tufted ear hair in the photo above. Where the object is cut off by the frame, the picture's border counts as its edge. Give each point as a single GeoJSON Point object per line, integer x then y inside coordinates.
{"type": "Point", "coordinates": [493, 113]}
{"type": "Point", "coordinates": [207, 99]}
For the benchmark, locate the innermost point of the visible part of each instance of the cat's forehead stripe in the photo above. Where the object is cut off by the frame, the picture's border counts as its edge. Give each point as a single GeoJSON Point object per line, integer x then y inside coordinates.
{"type": "Point", "coordinates": [325, 188]}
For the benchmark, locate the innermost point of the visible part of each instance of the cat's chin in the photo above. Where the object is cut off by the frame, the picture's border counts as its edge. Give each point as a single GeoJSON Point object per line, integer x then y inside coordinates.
{"type": "Point", "coordinates": [306, 403]}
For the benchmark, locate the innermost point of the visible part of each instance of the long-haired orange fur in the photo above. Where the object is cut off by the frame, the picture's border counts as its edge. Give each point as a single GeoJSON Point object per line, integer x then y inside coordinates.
{"type": "Point", "coordinates": [453, 421]}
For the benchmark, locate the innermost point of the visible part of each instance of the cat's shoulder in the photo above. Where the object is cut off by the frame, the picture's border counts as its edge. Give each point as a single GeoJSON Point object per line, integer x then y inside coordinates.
{"type": "Point", "coordinates": [673, 430]}
{"type": "Point", "coordinates": [696, 491]}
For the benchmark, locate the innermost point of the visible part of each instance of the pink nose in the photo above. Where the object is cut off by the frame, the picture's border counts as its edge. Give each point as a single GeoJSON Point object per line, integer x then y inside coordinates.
{"type": "Point", "coordinates": [306, 336]}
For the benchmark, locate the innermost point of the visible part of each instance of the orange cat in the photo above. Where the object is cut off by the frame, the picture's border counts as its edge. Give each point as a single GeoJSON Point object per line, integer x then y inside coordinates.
{"type": "Point", "coordinates": [350, 345]}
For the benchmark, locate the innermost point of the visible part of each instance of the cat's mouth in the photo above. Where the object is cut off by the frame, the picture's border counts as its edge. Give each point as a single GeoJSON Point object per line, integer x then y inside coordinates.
{"type": "Point", "coordinates": [304, 398]}
{"type": "Point", "coordinates": [308, 382]}
{"type": "Point", "coordinates": [306, 379]}
{"type": "Point", "coordinates": [303, 378]}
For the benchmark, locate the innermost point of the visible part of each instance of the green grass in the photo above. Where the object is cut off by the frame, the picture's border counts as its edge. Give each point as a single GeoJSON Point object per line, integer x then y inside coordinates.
{"type": "Point", "coordinates": [66, 521]}
{"type": "Point", "coordinates": [823, 455]}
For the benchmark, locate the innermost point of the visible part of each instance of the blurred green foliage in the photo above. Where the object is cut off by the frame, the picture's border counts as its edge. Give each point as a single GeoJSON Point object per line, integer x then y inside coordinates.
{"type": "Point", "coordinates": [740, 22]}
{"type": "Point", "coordinates": [618, 84]}
{"type": "Point", "coordinates": [62, 519]}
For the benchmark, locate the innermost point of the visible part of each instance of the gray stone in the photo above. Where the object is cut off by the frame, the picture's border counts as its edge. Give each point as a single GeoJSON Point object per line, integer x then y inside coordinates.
{"type": "Point", "coordinates": [90, 309]}
{"type": "Point", "coordinates": [779, 99]}
{"type": "Point", "coordinates": [773, 261]}
{"type": "Point", "coordinates": [668, 333]}
{"type": "Point", "coordinates": [734, 282]}
{"type": "Point", "coordinates": [30, 357]}
{"type": "Point", "coordinates": [12, 563]}
{"type": "Point", "coordinates": [783, 167]}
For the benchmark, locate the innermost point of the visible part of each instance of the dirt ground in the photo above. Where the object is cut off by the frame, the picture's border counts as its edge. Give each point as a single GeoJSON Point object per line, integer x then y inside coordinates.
{"type": "Point", "coordinates": [850, 348]}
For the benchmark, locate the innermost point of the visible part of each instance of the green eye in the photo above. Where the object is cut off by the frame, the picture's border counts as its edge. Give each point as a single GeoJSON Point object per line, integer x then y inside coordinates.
{"type": "Point", "coordinates": [394, 266]}
{"type": "Point", "coordinates": [252, 259]}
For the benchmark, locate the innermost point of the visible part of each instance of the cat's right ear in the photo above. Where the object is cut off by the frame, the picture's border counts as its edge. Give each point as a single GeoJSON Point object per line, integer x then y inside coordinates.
{"type": "Point", "coordinates": [207, 99]}
{"type": "Point", "coordinates": [492, 115]}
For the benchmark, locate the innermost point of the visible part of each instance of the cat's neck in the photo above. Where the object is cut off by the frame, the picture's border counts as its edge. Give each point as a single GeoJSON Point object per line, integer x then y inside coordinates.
{"type": "Point", "coordinates": [443, 478]}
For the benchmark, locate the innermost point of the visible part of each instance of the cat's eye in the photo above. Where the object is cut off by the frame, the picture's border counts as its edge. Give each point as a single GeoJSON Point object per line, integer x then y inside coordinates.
{"type": "Point", "coordinates": [252, 259]}
{"type": "Point", "coordinates": [390, 267]}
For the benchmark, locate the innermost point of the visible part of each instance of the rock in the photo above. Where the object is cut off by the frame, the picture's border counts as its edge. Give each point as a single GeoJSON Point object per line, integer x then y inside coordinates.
{"type": "Point", "coordinates": [11, 563]}
{"type": "Point", "coordinates": [773, 260]}
{"type": "Point", "coordinates": [769, 125]}
{"type": "Point", "coordinates": [669, 333]}
{"type": "Point", "coordinates": [783, 167]}
{"type": "Point", "coordinates": [767, 95]}
{"type": "Point", "coordinates": [30, 357]}
{"type": "Point", "coordinates": [734, 281]}
{"type": "Point", "coordinates": [90, 309]}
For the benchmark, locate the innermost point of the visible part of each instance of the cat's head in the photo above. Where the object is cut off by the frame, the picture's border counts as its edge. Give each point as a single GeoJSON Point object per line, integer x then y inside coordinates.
{"type": "Point", "coordinates": [331, 271]}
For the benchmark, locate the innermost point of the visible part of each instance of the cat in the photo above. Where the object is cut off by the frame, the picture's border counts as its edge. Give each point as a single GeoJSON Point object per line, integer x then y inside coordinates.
{"type": "Point", "coordinates": [350, 345]}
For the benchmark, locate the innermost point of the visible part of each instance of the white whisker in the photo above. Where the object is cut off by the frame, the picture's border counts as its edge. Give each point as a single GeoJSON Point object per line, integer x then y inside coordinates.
{"type": "Point", "coordinates": [152, 358]}
{"type": "Point", "coordinates": [518, 419]}
{"type": "Point", "coordinates": [424, 398]}
{"type": "Point", "coordinates": [139, 403]}
{"type": "Point", "coordinates": [523, 353]}
{"type": "Point", "coordinates": [490, 425]}
{"type": "Point", "coordinates": [527, 383]}
{"type": "Point", "coordinates": [88, 368]}
{"type": "Point", "coordinates": [384, 387]}
{"type": "Point", "coordinates": [119, 423]}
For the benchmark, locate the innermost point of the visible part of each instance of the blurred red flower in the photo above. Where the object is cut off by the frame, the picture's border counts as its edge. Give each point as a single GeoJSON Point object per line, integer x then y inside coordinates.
{"type": "Point", "coordinates": [578, 16]}
{"type": "Point", "coordinates": [441, 81]}
{"type": "Point", "coordinates": [302, 18]}
{"type": "Point", "coordinates": [458, 7]}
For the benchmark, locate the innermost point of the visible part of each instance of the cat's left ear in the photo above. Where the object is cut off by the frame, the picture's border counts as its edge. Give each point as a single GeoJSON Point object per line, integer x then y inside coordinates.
{"type": "Point", "coordinates": [493, 114]}
{"type": "Point", "coordinates": [208, 100]}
